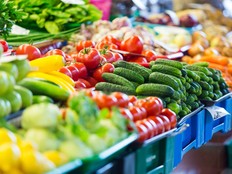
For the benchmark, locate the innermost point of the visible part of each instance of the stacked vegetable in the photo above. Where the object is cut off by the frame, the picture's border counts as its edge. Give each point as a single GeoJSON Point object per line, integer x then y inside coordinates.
{"type": "Point", "coordinates": [182, 87]}
{"type": "Point", "coordinates": [55, 16]}
{"type": "Point", "coordinates": [13, 96]}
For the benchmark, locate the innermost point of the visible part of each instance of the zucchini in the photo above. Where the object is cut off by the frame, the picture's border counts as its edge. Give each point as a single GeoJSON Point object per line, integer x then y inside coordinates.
{"type": "Point", "coordinates": [38, 87]}
{"type": "Point", "coordinates": [151, 89]}
{"type": "Point", "coordinates": [42, 99]}
{"type": "Point", "coordinates": [116, 79]}
{"type": "Point", "coordinates": [109, 87]}
{"type": "Point", "coordinates": [160, 78]}
{"type": "Point", "coordinates": [145, 72]}
{"type": "Point", "coordinates": [166, 70]}
{"type": "Point", "coordinates": [199, 68]}
{"type": "Point", "coordinates": [129, 75]}
{"type": "Point", "coordinates": [171, 63]}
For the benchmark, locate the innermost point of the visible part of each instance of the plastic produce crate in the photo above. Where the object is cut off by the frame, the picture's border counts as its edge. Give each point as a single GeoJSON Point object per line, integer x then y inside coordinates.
{"type": "Point", "coordinates": [192, 137]}
{"type": "Point", "coordinates": [155, 157]}
{"type": "Point", "coordinates": [218, 120]}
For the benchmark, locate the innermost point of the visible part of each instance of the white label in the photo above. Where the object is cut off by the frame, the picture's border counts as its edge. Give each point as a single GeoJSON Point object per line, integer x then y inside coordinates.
{"type": "Point", "coordinates": [19, 30]}
{"type": "Point", "coordinates": [217, 112]}
{"type": "Point", "coordinates": [78, 2]}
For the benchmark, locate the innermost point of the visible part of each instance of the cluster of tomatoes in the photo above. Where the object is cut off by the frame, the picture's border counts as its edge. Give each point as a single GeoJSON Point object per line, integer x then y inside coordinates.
{"type": "Point", "coordinates": [4, 45]}
{"type": "Point", "coordinates": [93, 59]}
{"type": "Point", "coordinates": [148, 114]}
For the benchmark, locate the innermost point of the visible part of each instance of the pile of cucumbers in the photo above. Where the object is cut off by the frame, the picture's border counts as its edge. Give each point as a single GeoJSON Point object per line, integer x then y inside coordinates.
{"type": "Point", "coordinates": [182, 87]}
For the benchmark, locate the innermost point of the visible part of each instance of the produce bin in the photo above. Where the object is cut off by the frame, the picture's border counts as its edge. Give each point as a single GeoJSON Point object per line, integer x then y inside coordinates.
{"type": "Point", "coordinates": [155, 157]}
{"type": "Point", "coordinates": [213, 125]}
{"type": "Point", "coordinates": [192, 137]}
{"type": "Point", "coordinates": [106, 160]}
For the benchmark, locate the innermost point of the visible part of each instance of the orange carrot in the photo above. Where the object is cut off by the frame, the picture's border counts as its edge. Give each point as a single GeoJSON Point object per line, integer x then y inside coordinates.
{"type": "Point", "coordinates": [217, 66]}
{"type": "Point", "coordinates": [221, 60]}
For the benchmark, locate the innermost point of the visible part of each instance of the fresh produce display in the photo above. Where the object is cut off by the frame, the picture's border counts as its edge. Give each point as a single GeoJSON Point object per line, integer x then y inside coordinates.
{"type": "Point", "coordinates": [215, 51]}
{"type": "Point", "coordinates": [182, 87]}
{"type": "Point", "coordinates": [55, 16]}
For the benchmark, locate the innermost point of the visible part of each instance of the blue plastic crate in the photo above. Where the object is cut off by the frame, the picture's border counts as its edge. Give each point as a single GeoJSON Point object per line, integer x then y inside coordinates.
{"type": "Point", "coordinates": [191, 138]}
{"type": "Point", "coordinates": [220, 124]}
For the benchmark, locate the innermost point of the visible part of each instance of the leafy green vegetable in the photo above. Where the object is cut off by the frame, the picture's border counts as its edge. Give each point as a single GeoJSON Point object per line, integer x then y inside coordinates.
{"type": "Point", "coordinates": [55, 16]}
{"type": "Point", "coordinates": [8, 16]}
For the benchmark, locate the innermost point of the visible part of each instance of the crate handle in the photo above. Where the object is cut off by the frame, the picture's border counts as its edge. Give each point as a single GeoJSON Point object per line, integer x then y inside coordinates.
{"type": "Point", "coordinates": [180, 129]}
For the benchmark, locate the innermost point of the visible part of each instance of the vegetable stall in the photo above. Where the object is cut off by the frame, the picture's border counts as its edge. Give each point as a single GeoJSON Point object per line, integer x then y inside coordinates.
{"type": "Point", "coordinates": [106, 96]}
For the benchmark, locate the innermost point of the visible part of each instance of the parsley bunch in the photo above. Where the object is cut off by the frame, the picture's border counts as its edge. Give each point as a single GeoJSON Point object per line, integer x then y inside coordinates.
{"type": "Point", "coordinates": [8, 16]}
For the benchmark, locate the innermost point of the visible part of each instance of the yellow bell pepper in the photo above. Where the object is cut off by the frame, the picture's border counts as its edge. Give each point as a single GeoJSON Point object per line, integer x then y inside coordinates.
{"type": "Point", "coordinates": [47, 64]}
{"type": "Point", "coordinates": [58, 158]}
{"type": "Point", "coordinates": [7, 136]}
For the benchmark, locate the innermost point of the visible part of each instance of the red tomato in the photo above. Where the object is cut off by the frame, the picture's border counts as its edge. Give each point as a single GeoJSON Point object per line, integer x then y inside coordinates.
{"type": "Point", "coordinates": [155, 98]}
{"type": "Point", "coordinates": [87, 84]}
{"type": "Point", "coordinates": [133, 44]}
{"type": "Point", "coordinates": [117, 57]}
{"type": "Point", "coordinates": [32, 51]}
{"type": "Point", "coordinates": [68, 58]}
{"type": "Point", "coordinates": [4, 45]}
{"type": "Point", "coordinates": [79, 85]}
{"type": "Point", "coordinates": [167, 123]}
{"type": "Point", "coordinates": [66, 71]}
{"type": "Point", "coordinates": [150, 55]}
{"type": "Point", "coordinates": [143, 132]}
{"type": "Point", "coordinates": [159, 122]}
{"type": "Point", "coordinates": [97, 74]}
{"type": "Point", "coordinates": [90, 57]}
{"type": "Point", "coordinates": [111, 39]}
{"type": "Point", "coordinates": [126, 113]}
{"type": "Point", "coordinates": [108, 55]}
{"type": "Point", "coordinates": [74, 71]}
{"type": "Point", "coordinates": [105, 101]}
{"type": "Point", "coordinates": [171, 116]}
{"type": "Point", "coordinates": [154, 125]}
{"type": "Point", "coordinates": [84, 44]}
{"type": "Point", "coordinates": [138, 60]}
{"type": "Point", "coordinates": [137, 113]}
{"type": "Point", "coordinates": [153, 107]}
{"type": "Point", "coordinates": [82, 69]}
{"type": "Point", "coordinates": [132, 98]}
{"type": "Point", "coordinates": [148, 125]}
{"type": "Point", "coordinates": [122, 99]}
{"type": "Point", "coordinates": [56, 52]}
{"type": "Point", "coordinates": [92, 81]}
{"type": "Point", "coordinates": [106, 45]}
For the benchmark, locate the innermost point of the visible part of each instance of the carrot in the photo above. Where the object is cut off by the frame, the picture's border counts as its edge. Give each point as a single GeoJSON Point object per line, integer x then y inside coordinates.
{"type": "Point", "coordinates": [229, 70]}
{"type": "Point", "coordinates": [218, 67]}
{"type": "Point", "coordinates": [221, 60]}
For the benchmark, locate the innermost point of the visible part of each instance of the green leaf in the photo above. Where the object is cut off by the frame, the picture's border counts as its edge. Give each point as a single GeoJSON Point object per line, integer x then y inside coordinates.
{"type": "Point", "coordinates": [52, 27]}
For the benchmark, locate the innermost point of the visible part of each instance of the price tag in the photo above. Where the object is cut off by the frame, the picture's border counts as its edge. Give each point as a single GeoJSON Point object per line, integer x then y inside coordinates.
{"type": "Point", "coordinates": [217, 112]}
{"type": "Point", "coordinates": [19, 30]}
{"type": "Point", "coordinates": [77, 2]}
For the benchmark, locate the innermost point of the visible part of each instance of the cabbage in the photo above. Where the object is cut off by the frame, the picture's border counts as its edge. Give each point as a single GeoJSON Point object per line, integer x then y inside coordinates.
{"type": "Point", "coordinates": [43, 115]}
{"type": "Point", "coordinates": [75, 148]}
{"type": "Point", "coordinates": [96, 143]}
{"type": "Point", "coordinates": [44, 139]}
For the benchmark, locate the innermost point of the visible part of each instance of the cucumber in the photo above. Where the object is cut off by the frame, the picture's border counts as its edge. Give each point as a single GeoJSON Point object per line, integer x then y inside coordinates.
{"type": "Point", "coordinates": [210, 80]}
{"type": "Point", "coordinates": [167, 99]}
{"type": "Point", "coordinates": [109, 87]}
{"type": "Point", "coordinates": [223, 85]}
{"type": "Point", "coordinates": [199, 68]}
{"type": "Point", "coordinates": [166, 70]}
{"type": "Point", "coordinates": [38, 87]}
{"type": "Point", "coordinates": [225, 91]}
{"type": "Point", "coordinates": [202, 76]}
{"type": "Point", "coordinates": [25, 94]}
{"type": "Point", "coordinates": [187, 86]}
{"type": "Point", "coordinates": [160, 78]}
{"type": "Point", "coordinates": [174, 107]}
{"type": "Point", "coordinates": [135, 84]}
{"type": "Point", "coordinates": [151, 89]}
{"type": "Point", "coordinates": [216, 86]}
{"type": "Point", "coordinates": [171, 63]}
{"type": "Point", "coordinates": [145, 72]}
{"type": "Point", "coordinates": [194, 105]}
{"type": "Point", "coordinates": [176, 95]}
{"type": "Point", "coordinates": [190, 98]}
{"type": "Point", "coordinates": [204, 85]}
{"type": "Point", "coordinates": [204, 94]}
{"type": "Point", "coordinates": [184, 73]}
{"type": "Point", "coordinates": [178, 80]}
{"type": "Point", "coordinates": [182, 113]}
{"type": "Point", "coordinates": [211, 94]}
{"type": "Point", "coordinates": [183, 80]}
{"type": "Point", "coordinates": [116, 79]}
{"type": "Point", "coordinates": [203, 64]}
{"type": "Point", "coordinates": [42, 99]}
{"type": "Point", "coordinates": [129, 75]}
{"type": "Point", "coordinates": [193, 75]}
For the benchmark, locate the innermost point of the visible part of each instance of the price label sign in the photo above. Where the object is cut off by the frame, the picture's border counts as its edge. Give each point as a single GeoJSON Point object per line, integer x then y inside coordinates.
{"type": "Point", "coordinates": [77, 2]}
{"type": "Point", "coordinates": [217, 112]}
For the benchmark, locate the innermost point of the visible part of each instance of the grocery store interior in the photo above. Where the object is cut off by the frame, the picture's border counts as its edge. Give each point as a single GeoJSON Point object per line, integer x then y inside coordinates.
{"type": "Point", "coordinates": [116, 86]}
